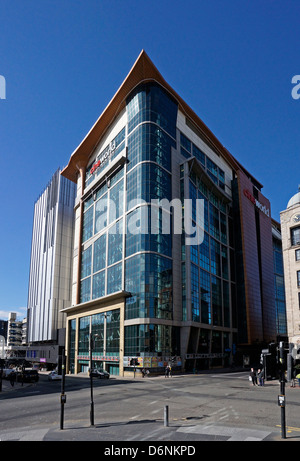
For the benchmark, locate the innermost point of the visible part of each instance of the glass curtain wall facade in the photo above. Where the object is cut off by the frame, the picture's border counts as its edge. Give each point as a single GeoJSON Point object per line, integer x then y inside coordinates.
{"type": "Point", "coordinates": [132, 258]}
{"type": "Point", "coordinates": [173, 301]}
{"type": "Point", "coordinates": [148, 265]}
{"type": "Point", "coordinates": [210, 265]}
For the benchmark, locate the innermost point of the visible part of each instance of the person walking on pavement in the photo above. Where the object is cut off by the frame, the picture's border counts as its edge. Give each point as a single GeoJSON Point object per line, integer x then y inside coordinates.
{"type": "Point", "coordinates": [167, 371]}
{"type": "Point", "coordinates": [293, 378]}
{"type": "Point", "coordinates": [253, 377]}
{"type": "Point", "coordinates": [12, 378]}
{"type": "Point", "coordinates": [261, 380]}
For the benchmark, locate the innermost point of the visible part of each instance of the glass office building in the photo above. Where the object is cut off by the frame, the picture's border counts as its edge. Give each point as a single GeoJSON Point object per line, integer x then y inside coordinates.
{"type": "Point", "coordinates": [158, 208]}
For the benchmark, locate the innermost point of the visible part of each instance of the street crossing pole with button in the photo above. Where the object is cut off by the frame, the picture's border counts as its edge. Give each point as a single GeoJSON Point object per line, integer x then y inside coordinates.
{"type": "Point", "coordinates": [281, 398]}
{"type": "Point", "coordinates": [62, 396]}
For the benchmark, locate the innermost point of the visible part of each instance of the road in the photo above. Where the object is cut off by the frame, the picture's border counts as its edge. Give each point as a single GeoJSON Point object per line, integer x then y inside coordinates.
{"type": "Point", "coordinates": [214, 406]}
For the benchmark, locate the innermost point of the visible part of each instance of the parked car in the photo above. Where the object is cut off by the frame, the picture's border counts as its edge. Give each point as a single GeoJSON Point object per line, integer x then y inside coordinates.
{"type": "Point", "coordinates": [100, 373]}
{"type": "Point", "coordinates": [6, 372]}
{"type": "Point", "coordinates": [28, 376]}
{"type": "Point", "coordinates": [54, 376]}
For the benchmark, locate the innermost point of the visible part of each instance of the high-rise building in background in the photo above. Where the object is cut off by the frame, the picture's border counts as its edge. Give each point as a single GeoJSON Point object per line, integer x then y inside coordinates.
{"type": "Point", "coordinates": [50, 269]}
{"type": "Point", "coordinates": [199, 293]}
{"type": "Point", "coordinates": [290, 230]}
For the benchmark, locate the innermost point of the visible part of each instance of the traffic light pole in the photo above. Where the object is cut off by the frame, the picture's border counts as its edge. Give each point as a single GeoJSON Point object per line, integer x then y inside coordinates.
{"type": "Point", "coordinates": [282, 390]}
{"type": "Point", "coordinates": [62, 395]}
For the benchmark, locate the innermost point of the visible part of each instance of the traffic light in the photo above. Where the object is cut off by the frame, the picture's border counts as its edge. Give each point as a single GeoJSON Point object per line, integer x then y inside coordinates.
{"type": "Point", "coordinates": [134, 362]}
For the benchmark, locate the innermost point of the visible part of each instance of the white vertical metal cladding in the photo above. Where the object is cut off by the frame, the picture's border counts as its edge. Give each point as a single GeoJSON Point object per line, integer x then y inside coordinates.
{"type": "Point", "coordinates": [51, 259]}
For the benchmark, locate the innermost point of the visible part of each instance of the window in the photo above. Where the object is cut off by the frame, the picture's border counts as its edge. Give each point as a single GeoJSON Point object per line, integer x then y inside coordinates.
{"type": "Point", "coordinates": [87, 228]}
{"type": "Point", "coordinates": [297, 255]}
{"type": "Point", "coordinates": [298, 278]}
{"type": "Point", "coordinates": [295, 236]}
{"type": "Point", "coordinates": [99, 285]}
{"type": "Point", "coordinates": [114, 278]}
{"type": "Point", "coordinates": [115, 243]}
{"type": "Point", "coordinates": [99, 253]}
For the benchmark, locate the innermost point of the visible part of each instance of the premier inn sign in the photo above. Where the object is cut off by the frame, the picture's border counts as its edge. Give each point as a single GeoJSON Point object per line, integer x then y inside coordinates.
{"type": "Point", "coordinates": [259, 205]}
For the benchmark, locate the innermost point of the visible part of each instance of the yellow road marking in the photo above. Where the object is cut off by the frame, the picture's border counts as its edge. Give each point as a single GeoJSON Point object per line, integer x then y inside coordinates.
{"type": "Point", "coordinates": [291, 428]}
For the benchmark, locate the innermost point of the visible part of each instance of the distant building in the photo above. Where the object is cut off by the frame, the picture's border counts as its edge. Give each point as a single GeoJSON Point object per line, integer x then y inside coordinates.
{"type": "Point", "coordinates": [3, 329]}
{"type": "Point", "coordinates": [290, 230]}
{"type": "Point", "coordinates": [50, 269]}
{"type": "Point", "coordinates": [14, 331]}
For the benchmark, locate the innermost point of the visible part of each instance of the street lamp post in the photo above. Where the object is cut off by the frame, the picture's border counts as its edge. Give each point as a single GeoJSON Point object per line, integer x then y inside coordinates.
{"type": "Point", "coordinates": [91, 382]}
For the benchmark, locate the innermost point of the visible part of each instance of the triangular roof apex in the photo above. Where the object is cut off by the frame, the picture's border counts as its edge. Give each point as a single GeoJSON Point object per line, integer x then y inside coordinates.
{"type": "Point", "coordinates": [143, 70]}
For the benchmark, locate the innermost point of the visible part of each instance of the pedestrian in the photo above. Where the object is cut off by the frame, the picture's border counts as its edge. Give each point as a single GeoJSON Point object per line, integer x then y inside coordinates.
{"type": "Point", "coordinates": [12, 378]}
{"type": "Point", "coordinates": [298, 377]}
{"type": "Point", "coordinates": [167, 372]}
{"type": "Point", "coordinates": [253, 377]}
{"type": "Point", "coordinates": [261, 377]}
{"type": "Point", "coordinates": [143, 372]}
{"type": "Point", "coordinates": [293, 378]}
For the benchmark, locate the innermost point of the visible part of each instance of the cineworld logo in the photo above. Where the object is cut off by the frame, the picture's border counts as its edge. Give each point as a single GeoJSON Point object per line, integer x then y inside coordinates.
{"type": "Point", "coordinates": [255, 202]}
{"type": "Point", "coordinates": [103, 156]}
{"type": "Point", "coordinates": [2, 87]}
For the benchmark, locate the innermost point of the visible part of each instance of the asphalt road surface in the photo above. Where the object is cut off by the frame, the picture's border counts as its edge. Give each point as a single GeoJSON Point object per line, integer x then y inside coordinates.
{"type": "Point", "coordinates": [203, 407]}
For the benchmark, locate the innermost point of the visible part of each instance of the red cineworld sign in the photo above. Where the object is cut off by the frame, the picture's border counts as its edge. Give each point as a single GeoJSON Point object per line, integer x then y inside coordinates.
{"type": "Point", "coordinates": [103, 156]}
{"type": "Point", "coordinates": [255, 202]}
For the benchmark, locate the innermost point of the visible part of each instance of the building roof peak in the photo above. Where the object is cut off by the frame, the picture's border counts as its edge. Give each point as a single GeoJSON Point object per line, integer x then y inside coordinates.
{"type": "Point", "coordinates": [142, 71]}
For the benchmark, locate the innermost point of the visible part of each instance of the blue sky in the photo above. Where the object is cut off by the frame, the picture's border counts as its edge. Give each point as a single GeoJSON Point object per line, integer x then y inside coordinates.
{"type": "Point", "coordinates": [63, 60]}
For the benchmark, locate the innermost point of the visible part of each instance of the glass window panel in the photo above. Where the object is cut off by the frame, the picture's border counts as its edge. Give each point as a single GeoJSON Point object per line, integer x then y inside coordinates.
{"type": "Point", "coordinates": [216, 300]}
{"type": "Point", "coordinates": [84, 335]}
{"type": "Point", "coordinates": [195, 293]}
{"type": "Point", "coordinates": [215, 256]}
{"type": "Point", "coordinates": [214, 221]}
{"type": "Point", "coordinates": [115, 243]}
{"type": "Point", "coordinates": [87, 226]}
{"type": "Point", "coordinates": [199, 155]}
{"type": "Point", "coordinates": [114, 278]}
{"type": "Point", "coordinates": [98, 285]}
{"type": "Point", "coordinates": [149, 280]}
{"type": "Point", "coordinates": [86, 262]}
{"type": "Point", "coordinates": [99, 253]}
{"type": "Point", "coordinates": [205, 292]}
{"type": "Point", "coordinates": [185, 142]}
{"type": "Point", "coordinates": [148, 142]}
{"type": "Point", "coordinates": [101, 213]}
{"type": "Point", "coordinates": [113, 333]}
{"type": "Point", "coordinates": [295, 236]}
{"type": "Point", "coordinates": [204, 258]}
{"type": "Point", "coordinates": [98, 333]}
{"type": "Point", "coordinates": [116, 195]}
{"type": "Point", "coordinates": [85, 290]}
